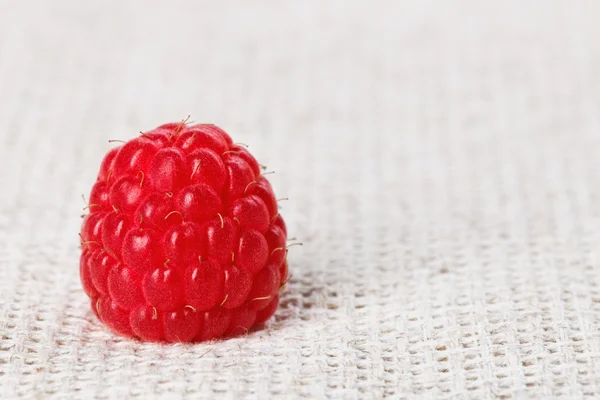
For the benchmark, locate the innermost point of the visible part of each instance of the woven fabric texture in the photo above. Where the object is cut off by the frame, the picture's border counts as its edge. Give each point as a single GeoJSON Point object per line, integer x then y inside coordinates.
{"type": "Point", "coordinates": [442, 161]}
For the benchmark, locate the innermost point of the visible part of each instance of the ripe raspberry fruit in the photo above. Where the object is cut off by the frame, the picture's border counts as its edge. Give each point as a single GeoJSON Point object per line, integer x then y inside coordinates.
{"type": "Point", "coordinates": [183, 241]}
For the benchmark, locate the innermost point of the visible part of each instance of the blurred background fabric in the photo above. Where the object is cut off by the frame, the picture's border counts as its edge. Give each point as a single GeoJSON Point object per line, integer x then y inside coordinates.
{"type": "Point", "coordinates": [442, 161]}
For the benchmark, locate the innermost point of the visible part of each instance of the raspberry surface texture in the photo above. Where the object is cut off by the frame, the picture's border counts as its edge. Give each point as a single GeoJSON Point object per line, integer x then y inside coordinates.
{"type": "Point", "coordinates": [183, 241]}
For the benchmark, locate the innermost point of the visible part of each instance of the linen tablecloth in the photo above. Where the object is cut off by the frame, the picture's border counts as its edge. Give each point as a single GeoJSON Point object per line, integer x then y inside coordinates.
{"type": "Point", "coordinates": [442, 161]}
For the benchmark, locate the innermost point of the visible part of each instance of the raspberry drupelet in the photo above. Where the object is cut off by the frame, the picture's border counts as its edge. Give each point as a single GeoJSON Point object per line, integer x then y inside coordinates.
{"type": "Point", "coordinates": [184, 241]}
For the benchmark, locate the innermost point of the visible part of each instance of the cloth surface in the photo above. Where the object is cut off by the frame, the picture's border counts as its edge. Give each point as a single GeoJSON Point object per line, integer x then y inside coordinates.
{"type": "Point", "coordinates": [442, 163]}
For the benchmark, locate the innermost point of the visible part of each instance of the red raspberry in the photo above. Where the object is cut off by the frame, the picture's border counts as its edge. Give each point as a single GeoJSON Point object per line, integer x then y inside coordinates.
{"type": "Point", "coordinates": [183, 241]}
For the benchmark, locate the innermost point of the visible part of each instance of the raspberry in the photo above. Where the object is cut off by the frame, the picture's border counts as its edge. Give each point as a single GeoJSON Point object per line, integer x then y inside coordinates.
{"type": "Point", "coordinates": [184, 241]}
